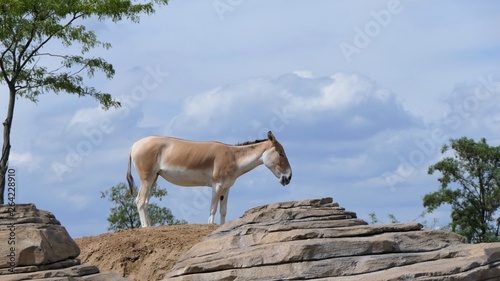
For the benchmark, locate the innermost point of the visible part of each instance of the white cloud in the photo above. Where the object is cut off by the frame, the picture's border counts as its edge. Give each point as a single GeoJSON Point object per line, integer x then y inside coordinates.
{"type": "Point", "coordinates": [205, 105]}
{"type": "Point", "coordinates": [24, 159]}
{"type": "Point", "coordinates": [304, 73]}
{"type": "Point", "coordinates": [473, 110]}
{"type": "Point", "coordinates": [20, 158]}
{"type": "Point", "coordinates": [87, 116]}
{"type": "Point", "coordinates": [343, 104]}
{"type": "Point", "coordinates": [94, 117]}
{"type": "Point", "coordinates": [345, 90]}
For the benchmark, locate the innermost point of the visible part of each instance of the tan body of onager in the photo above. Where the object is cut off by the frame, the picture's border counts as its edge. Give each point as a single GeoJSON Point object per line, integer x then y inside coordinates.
{"type": "Point", "coordinates": [190, 163]}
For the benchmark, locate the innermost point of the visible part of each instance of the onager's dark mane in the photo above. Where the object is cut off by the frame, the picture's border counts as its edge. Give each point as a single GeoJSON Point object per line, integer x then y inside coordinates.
{"type": "Point", "coordinates": [250, 142]}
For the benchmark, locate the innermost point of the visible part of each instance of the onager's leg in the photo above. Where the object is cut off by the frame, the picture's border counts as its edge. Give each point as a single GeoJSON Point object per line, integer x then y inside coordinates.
{"type": "Point", "coordinates": [216, 192]}
{"type": "Point", "coordinates": [142, 200]}
{"type": "Point", "coordinates": [223, 205]}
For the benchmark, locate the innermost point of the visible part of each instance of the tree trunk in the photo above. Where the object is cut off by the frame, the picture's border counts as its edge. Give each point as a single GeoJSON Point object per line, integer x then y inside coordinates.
{"type": "Point", "coordinates": [7, 125]}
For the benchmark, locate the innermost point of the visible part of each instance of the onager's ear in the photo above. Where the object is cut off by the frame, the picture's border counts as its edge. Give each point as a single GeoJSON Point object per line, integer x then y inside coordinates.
{"type": "Point", "coordinates": [271, 137]}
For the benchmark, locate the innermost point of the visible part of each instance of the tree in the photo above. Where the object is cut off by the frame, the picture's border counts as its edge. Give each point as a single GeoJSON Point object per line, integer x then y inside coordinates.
{"type": "Point", "coordinates": [27, 27]}
{"type": "Point", "coordinates": [124, 213]}
{"type": "Point", "coordinates": [470, 184]}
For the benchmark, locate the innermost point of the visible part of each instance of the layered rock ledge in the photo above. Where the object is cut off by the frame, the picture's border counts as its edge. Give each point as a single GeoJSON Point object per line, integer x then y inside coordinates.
{"type": "Point", "coordinates": [35, 246]}
{"type": "Point", "coordinates": [318, 240]}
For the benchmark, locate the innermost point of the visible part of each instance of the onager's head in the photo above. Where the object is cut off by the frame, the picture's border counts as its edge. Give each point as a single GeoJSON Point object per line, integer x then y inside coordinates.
{"type": "Point", "coordinates": [275, 160]}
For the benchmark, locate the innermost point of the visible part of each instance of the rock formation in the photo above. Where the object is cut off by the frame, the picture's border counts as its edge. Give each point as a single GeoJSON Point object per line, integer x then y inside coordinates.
{"type": "Point", "coordinates": [34, 246]}
{"type": "Point", "coordinates": [318, 240]}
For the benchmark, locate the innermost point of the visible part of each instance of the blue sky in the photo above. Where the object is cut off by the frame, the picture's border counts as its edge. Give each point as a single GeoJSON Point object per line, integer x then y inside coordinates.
{"type": "Point", "coordinates": [362, 95]}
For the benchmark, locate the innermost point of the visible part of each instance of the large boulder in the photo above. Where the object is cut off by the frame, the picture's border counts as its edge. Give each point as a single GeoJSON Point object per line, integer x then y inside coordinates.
{"type": "Point", "coordinates": [35, 246]}
{"type": "Point", "coordinates": [32, 238]}
{"type": "Point", "coordinates": [317, 239]}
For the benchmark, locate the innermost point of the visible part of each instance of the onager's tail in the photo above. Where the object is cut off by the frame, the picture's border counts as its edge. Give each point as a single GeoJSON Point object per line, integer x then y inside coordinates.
{"type": "Point", "coordinates": [130, 179]}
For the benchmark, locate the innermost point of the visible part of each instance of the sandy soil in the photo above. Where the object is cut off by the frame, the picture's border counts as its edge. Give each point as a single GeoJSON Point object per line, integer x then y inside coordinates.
{"type": "Point", "coordinates": [141, 254]}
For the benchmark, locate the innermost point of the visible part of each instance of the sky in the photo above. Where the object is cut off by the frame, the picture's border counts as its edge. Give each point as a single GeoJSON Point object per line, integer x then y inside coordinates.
{"type": "Point", "coordinates": [361, 94]}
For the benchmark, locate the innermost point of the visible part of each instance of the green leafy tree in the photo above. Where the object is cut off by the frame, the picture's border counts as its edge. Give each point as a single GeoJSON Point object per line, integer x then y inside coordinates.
{"type": "Point", "coordinates": [469, 181]}
{"type": "Point", "coordinates": [28, 65]}
{"type": "Point", "coordinates": [124, 213]}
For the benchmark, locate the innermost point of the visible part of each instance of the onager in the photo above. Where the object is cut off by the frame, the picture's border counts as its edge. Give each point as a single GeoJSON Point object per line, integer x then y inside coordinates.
{"type": "Point", "coordinates": [190, 163]}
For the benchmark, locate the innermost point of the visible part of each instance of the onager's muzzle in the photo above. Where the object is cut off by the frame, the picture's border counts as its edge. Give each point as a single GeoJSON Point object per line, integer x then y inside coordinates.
{"type": "Point", "coordinates": [285, 178]}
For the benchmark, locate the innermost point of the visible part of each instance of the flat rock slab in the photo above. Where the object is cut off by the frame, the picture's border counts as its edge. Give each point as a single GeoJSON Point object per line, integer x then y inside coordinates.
{"type": "Point", "coordinates": [74, 273]}
{"type": "Point", "coordinates": [318, 240]}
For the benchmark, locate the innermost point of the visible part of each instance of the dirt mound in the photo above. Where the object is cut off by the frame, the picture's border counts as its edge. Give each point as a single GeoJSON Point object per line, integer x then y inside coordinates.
{"type": "Point", "coordinates": [141, 254]}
